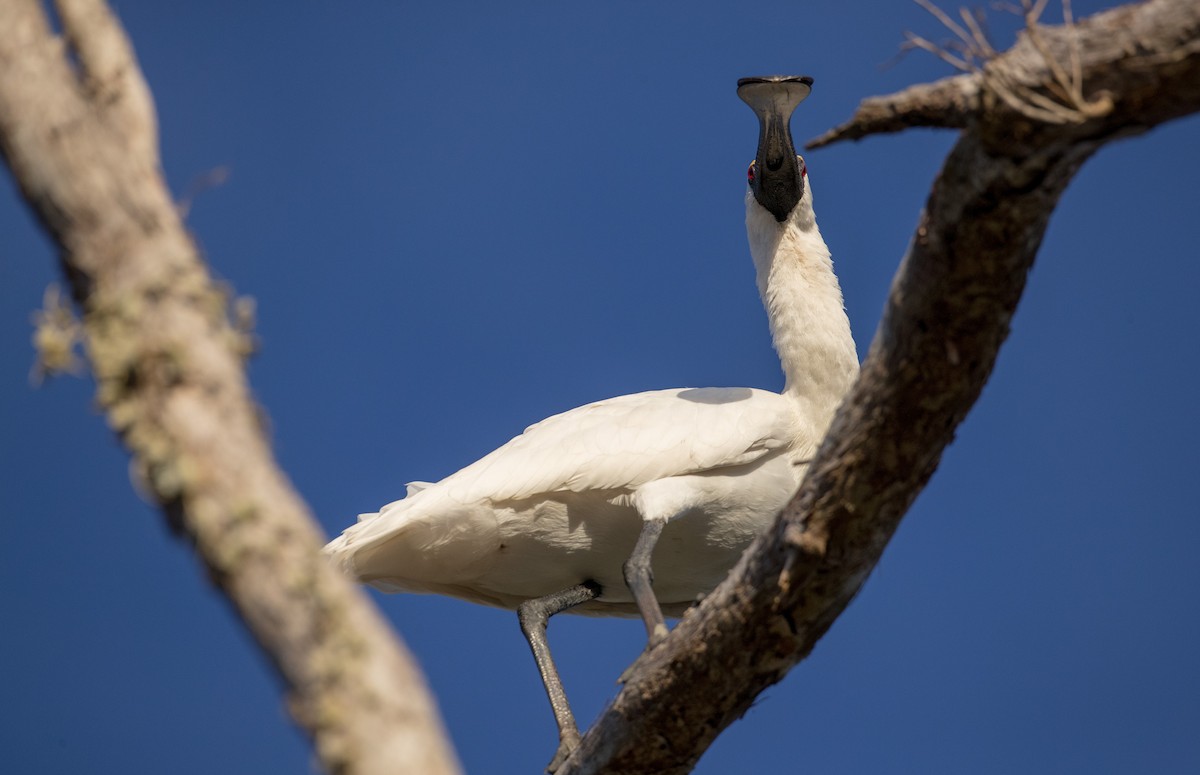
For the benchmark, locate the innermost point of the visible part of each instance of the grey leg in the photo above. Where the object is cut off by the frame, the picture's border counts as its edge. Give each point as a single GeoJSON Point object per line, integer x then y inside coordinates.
{"type": "Point", "coordinates": [534, 615]}
{"type": "Point", "coordinates": [640, 579]}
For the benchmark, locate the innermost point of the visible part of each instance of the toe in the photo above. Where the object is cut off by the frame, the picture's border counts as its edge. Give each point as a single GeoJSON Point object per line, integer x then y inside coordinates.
{"type": "Point", "coordinates": [565, 746]}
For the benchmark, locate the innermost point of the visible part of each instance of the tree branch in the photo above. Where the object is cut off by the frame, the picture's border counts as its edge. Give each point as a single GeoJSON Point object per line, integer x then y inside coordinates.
{"type": "Point", "coordinates": [948, 104]}
{"type": "Point", "coordinates": [1124, 51]}
{"type": "Point", "coordinates": [947, 314]}
{"type": "Point", "coordinates": [82, 145]}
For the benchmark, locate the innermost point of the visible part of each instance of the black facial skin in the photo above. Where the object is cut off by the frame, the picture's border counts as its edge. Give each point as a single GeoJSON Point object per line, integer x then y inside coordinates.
{"type": "Point", "coordinates": [778, 183]}
{"type": "Point", "coordinates": [780, 199]}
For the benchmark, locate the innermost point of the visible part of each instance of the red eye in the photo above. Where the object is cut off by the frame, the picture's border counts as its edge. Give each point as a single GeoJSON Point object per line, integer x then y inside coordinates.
{"type": "Point", "coordinates": [803, 167]}
{"type": "Point", "coordinates": [750, 174]}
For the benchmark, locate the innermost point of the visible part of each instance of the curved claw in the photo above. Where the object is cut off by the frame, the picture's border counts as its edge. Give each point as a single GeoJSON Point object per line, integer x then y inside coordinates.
{"type": "Point", "coordinates": [659, 634]}
{"type": "Point", "coordinates": [566, 744]}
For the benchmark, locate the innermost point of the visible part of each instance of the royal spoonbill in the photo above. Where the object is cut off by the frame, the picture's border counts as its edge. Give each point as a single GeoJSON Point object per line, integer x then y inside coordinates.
{"type": "Point", "coordinates": [641, 504]}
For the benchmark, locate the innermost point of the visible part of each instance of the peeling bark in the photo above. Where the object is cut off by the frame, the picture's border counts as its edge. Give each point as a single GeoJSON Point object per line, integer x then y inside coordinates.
{"type": "Point", "coordinates": [947, 315]}
{"type": "Point", "coordinates": [81, 139]}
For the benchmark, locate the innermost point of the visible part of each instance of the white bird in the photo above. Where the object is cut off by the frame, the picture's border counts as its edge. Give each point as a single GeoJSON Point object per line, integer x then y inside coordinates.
{"type": "Point", "coordinates": [575, 512]}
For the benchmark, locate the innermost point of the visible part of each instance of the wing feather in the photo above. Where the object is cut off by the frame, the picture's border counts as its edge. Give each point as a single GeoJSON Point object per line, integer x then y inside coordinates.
{"type": "Point", "coordinates": [624, 442]}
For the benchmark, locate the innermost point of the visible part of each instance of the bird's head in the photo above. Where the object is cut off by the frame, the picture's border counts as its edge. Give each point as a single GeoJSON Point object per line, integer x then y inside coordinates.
{"type": "Point", "coordinates": [777, 174]}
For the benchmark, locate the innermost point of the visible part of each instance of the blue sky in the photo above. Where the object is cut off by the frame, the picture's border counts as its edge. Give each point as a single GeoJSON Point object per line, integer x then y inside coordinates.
{"type": "Point", "coordinates": [458, 220]}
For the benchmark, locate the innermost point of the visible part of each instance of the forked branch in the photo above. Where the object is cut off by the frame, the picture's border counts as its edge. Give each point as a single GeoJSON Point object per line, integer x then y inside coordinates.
{"type": "Point", "coordinates": [1066, 74]}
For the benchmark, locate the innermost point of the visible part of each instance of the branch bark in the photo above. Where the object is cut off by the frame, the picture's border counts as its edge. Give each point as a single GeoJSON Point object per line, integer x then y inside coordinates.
{"type": "Point", "coordinates": [947, 315]}
{"type": "Point", "coordinates": [81, 141]}
{"type": "Point", "coordinates": [1125, 51]}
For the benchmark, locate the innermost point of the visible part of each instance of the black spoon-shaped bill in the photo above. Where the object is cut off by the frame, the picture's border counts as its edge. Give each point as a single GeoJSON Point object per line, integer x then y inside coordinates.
{"type": "Point", "coordinates": [778, 184]}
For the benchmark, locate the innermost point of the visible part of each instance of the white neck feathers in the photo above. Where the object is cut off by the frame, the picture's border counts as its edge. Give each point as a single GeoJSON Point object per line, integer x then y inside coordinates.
{"type": "Point", "coordinates": [804, 304]}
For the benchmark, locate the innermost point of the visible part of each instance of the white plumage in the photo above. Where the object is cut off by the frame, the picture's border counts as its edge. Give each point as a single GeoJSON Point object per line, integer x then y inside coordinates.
{"type": "Point", "coordinates": [550, 521]}
{"type": "Point", "coordinates": [564, 502]}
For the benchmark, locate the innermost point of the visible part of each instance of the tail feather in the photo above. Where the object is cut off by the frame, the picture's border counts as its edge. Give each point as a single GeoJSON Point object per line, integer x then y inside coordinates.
{"type": "Point", "coordinates": [424, 538]}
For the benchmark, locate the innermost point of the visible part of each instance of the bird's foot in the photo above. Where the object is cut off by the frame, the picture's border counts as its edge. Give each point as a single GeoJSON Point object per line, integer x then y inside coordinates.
{"type": "Point", "coordinates": [566, 744]}
{"type": "Point", "coordinates": [657, 636]}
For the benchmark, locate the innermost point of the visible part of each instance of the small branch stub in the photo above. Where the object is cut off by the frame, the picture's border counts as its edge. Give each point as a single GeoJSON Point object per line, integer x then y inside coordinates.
{"type": "Point", "coordinates": [56, 337]}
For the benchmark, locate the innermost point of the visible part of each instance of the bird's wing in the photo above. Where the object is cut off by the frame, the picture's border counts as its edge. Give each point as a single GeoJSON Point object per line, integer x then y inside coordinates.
{"type": "Point", "coordinates": [624, 442]}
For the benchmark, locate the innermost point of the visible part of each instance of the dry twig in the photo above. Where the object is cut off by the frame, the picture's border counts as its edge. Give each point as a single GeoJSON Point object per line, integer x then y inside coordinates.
{"type": "Point", "coordinates": [971, 52]}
